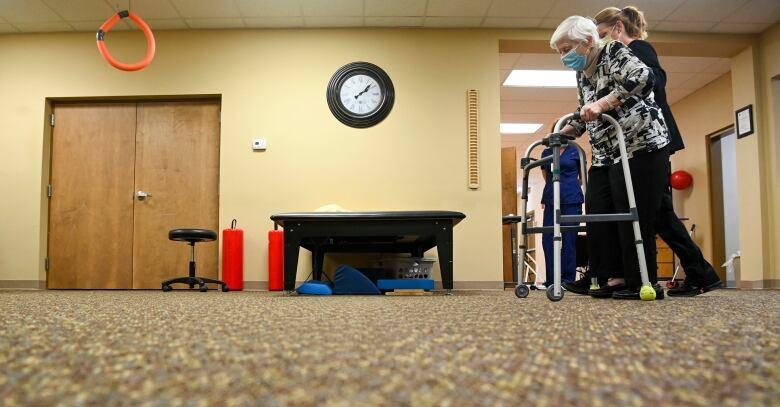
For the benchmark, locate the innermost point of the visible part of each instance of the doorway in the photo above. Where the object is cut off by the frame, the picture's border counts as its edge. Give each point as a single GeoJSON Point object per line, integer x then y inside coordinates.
{"type": "Point", "coordinates": [725, 199]}
{"type": "Point", "coordinates": [123, 175]}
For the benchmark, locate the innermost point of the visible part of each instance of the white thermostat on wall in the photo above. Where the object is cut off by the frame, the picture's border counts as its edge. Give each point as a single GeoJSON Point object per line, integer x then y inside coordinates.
{"type": "Point", "coordinates": [259, 144]}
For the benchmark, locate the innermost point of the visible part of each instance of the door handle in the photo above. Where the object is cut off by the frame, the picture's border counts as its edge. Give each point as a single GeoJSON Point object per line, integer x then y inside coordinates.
{"type": "Point", "coordinates": [141, 195]}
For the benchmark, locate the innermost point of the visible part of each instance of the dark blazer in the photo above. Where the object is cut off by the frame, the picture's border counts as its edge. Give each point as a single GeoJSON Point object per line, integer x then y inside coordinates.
{"type": "Point", "coordinates": [646, 53]}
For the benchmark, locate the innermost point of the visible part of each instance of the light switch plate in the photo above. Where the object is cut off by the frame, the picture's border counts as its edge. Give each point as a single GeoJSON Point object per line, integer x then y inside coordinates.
{"type": "Point", "coordinates": [259, 144]}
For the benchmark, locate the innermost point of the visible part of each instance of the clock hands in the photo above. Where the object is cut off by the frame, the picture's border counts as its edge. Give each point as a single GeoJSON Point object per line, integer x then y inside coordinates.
{"type": "Point", "coordinates": [364, 91]}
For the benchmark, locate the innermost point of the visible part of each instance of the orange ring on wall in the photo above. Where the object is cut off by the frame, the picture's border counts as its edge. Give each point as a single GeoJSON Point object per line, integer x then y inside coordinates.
{"type": "Point", "coordinates": [150, 45]}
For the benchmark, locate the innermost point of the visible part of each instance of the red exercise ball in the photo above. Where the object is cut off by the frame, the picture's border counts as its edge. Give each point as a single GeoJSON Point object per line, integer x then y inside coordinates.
{"type": "Point", "coordinates": [681, 179]}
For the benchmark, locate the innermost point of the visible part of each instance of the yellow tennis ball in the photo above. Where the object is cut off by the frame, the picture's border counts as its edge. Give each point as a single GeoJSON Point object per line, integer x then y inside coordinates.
{"type": "Point", "coordinates": [647, 293]}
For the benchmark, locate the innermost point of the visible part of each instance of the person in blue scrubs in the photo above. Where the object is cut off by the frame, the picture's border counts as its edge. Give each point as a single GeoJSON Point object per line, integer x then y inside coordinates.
{"type": "Point", "coordinates": [571, 204]}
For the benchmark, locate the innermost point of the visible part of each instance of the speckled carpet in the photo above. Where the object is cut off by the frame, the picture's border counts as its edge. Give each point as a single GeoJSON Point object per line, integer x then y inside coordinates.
{"type": "Point", "coordinates": [473, 348]}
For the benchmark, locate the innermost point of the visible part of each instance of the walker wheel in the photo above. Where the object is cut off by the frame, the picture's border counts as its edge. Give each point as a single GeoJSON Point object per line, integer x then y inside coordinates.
{"type": "Point", "coordinates": [225, 288]}
{"type": "Point", "coordinates": [647, 293]}
{"type": "Point", "coordinates": [203, 288]}
{"type": "Point", "coordinates": [551, 294]}
{"type": "Point", "coordinates": [167, 288]}
{"type": "Point", "coordinates": [672, 284]}
{"type": "Point", "coordinates": [521, 291]}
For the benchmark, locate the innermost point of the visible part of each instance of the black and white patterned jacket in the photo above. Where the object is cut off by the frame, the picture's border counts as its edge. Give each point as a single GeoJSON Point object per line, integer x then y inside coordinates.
{"type": "Point", "coordinates": [621, 73]}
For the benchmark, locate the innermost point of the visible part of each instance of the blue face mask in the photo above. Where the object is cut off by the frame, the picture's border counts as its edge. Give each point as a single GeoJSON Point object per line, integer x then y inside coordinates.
{"type": "Point", "coordinates": [574, 60]}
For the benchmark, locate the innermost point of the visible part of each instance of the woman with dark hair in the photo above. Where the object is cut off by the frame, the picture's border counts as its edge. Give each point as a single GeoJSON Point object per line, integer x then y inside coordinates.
{"type": "Point", "coordinates": [628, 26]}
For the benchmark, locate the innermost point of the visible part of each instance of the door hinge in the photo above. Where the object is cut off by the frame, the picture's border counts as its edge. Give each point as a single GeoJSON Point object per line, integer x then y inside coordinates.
{"type": "Point", "coordinates": [46, 264]}
{"type": "Point", "coordinates": [48, 190]}
{"type": "Point", "coordinates": [51, 120]}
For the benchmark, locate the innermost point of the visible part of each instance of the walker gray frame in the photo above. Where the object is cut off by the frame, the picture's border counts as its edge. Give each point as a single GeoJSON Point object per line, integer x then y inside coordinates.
{"type": "Point", "coordinates": [555, 140]}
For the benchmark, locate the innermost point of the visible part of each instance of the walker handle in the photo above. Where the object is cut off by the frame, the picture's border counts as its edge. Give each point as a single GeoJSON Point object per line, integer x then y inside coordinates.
{"type": "Point", "coordinates": [576, 116]}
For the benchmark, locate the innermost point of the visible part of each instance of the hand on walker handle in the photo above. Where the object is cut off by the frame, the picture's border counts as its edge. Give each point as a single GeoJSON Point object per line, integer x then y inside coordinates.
{"type": "Point", "coordinates": [590, 112]}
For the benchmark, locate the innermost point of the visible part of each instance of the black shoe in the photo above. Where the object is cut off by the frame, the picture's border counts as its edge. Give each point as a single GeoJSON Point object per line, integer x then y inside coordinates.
{"type": "Point", "coordinates": [686, 289]}
{"type": "Point", "coordinates": [711, 279]}
{"type": "Point", "coordinates": [606, 291]}
{"type": "Point", "coordinates": [633, 293]}
{"type": "Point", "coordinates": [580, 286]}
{"type": "Point", "coordinates": [692, 288]}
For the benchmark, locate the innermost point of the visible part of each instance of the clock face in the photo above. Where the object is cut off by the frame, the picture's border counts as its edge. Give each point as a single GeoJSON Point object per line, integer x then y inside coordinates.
{"type": "Point", "coordinates": [361, 94]}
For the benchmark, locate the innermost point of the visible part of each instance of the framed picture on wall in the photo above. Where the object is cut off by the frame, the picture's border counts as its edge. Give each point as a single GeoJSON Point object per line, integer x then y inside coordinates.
{"type": "Point", "coordinates": [745, 121]}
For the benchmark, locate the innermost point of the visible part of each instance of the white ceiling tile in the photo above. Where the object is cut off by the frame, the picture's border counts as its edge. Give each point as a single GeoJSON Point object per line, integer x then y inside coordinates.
{"type": "Point", "coordinates": [403, 8]}
{"type": "Point", "coordinates": [441, 22]}
{"type": "Point", "coordinates": [586, 8]}
{"type": "Point", "coordinates": [740, 28]}
{"type": "Point", "coordinates": [652, 9]}
{"type": "Point", "coordinates": [522, 8]}
{"type": "Point", "coordinates": [124, 25]}
{"type": "Point", "coordinates": [199, 9]}
{"type": "Point", "coordinates": [394, 21]}
{"type": "Point", "coordinates": [43, 27]}
{"type": "Point", "coordinates": [507, 60]}
{"type": "Point", "coordinates": [215, 23]}
{"type": "Point", "coordinates": [274, 22]}
{"type": "Point", "coordinates": [7, 28]}
{"type": "Point", "coordinates": [550, 23]}
{"type": "Point", "coordinates": [651, 24]}
{"type": "Point", "coordinates": [268, 8]}
{"type": "Point", "coordinates": [27, 11]}
{"type": "Point", "coordinates": [153, 9]}
{"type": "Point", "coordinates": [676, 80]}
{"type": "Point", "coordinates": [720, 65]}
{"type": "Point", "coordinates": [757, 11]}
{"type": "Point", "coordinates": [502, 75]}
{"type": "Point", "coordinates": [86, 26]}
{"type": "Point", "coordinates": [81, 10]}
{"type": "Point", "coordinates": [332, 8]}
{"type": "Point", "coordinates": [705, 10]}
{"type": "Point", "coordinates": [677, 26]}
{"type": "Point", "coordinates": [333, 21]}
{"type": "Point", "coordinates": [685, 64]}
{"type": "Point", "coordinates": [458, 8]}
{"type": "Point", "coordinates": [167, 24]}
{"type": "Point", "coordinates": [675, 95]}
{"type": "Point", "coordinates": [699, 80]}
{"type": "Point", "coordinates": [498, 22]}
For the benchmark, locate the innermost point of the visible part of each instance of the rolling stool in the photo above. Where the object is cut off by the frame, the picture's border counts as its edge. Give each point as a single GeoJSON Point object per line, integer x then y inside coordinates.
{"type": "Point", "coordinates": [192, 236]}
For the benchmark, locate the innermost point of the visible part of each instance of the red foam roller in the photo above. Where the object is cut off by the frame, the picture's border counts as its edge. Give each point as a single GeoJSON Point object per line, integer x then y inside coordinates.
{"type": "Point", "coordinates": [233, 257]}
{"type": "Point", "coordinates": [275, 260]}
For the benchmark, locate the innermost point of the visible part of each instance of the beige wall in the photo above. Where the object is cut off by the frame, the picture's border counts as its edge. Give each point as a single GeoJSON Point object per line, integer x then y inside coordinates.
{"type": "Point", "coordinates": [698, 115]}
{"type": "Point", "coordinates": [750, 177]}
{"type": "Point", "coordinates": [758, 167]}
{"type": "Point", "coordinates": [273, 85]}
{"type": "Point", "coordinates": [769, 70]}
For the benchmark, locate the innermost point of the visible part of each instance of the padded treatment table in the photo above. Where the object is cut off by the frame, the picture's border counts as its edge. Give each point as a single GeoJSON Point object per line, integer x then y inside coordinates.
{"type": "Point", "coordinates": [366, 232]}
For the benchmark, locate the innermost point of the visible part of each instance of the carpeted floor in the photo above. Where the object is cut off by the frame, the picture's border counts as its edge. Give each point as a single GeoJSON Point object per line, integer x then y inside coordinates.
{"type": "Point", "coordinates": [476, 348]}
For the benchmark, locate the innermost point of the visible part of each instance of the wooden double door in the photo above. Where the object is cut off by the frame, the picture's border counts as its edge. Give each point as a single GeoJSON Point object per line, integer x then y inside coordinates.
{"type": "Point", "coordinates": [103, 232]}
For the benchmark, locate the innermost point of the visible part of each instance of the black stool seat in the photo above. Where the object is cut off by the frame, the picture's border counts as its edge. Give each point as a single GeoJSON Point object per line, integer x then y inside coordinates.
{"type": "Point", "coordinates": [192, 235]}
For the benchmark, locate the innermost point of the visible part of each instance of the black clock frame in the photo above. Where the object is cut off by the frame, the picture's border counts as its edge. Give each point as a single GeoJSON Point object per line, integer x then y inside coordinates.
{"type": "Point", "coordinates": [342, 113]}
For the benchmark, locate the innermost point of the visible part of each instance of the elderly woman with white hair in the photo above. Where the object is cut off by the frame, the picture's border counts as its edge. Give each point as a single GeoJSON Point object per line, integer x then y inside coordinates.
{"type": "Point", "coordinates": [612, 81]}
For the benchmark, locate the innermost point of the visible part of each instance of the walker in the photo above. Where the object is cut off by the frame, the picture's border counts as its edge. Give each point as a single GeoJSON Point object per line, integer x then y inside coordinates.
{"type": "Point", "coordinates": [555, 141]}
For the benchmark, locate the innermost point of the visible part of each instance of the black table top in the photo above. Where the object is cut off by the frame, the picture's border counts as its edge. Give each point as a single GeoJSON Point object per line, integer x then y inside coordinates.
{"type": "Point", "coordinates": [280, 218]}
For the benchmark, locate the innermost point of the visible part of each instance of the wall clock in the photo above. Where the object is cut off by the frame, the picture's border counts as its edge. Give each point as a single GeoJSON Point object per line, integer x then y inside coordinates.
{"type": "Point", "coordinates": [360, 94]}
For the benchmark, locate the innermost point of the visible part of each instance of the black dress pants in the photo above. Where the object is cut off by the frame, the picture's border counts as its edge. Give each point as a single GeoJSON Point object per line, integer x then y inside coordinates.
{"type": "Point", "coordinates": [611, 244]}
{"type": "Point", "coordinates": [674, 233]}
